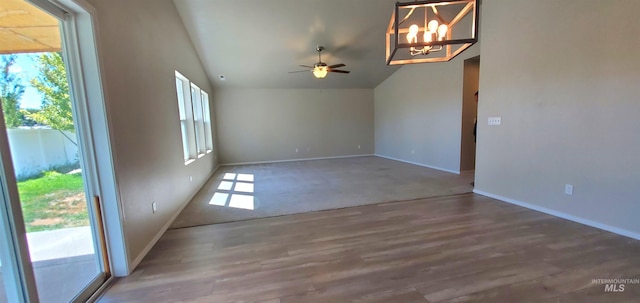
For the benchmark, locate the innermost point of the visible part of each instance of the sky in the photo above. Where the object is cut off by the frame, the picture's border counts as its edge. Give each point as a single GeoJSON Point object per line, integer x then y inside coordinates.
{"type": "Point", "coordinates": [26, 69]}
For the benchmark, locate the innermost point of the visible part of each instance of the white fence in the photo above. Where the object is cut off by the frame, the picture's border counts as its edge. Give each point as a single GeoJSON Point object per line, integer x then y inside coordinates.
{"type": "Point", "coordinates": [36, 149]}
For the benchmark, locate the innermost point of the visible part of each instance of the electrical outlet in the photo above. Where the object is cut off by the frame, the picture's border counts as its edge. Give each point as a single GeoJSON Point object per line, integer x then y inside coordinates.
{"type": "Point", "coordinates": [358, 146]}
{"type": "Point", "coordinates": [568, 189]}
{"type": "Point", "coordinates": [296, 150]}
{"type": "Point", "coordinates": [494, 120]}
{"type": "Point", "coordinates": [413, 151]}
{"type": "Point", "coordinates": [190, 179]}
{"type": "Point", "coordinates": [154, 207]}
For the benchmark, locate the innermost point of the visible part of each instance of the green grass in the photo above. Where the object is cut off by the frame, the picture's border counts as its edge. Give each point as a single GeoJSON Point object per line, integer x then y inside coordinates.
{"type": "Point", "coordinates": [53, 201]}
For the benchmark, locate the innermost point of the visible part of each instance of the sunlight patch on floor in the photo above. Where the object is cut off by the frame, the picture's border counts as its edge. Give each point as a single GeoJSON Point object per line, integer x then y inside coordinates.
{"type": "Point", "coordinates": [219, 199]}
{"type": "Point", "coordinates": [244, 187]}
{"type": "Point", "coordinates": [225, 185]}
{"type": "Point", "coordinates": [235, 191]}
{"type": "Point", "coordinates": [241, 201]}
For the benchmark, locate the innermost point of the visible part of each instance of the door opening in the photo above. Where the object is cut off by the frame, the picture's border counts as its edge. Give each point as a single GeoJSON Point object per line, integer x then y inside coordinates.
{"type": "Point", "coordinates": [469, 114]}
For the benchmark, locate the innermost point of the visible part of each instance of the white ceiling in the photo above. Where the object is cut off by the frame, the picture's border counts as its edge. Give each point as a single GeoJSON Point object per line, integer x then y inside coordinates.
{"type": "Point", "coordinates": [255, 43]}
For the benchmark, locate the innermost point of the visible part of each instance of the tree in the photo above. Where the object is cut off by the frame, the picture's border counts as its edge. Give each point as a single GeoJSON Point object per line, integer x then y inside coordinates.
{"type": "Point", "coordinates": [25, 116]}
{"type": "Point", "coordinates": [11, 90]}
{"type": "Point", "coordinates": [53, 85]}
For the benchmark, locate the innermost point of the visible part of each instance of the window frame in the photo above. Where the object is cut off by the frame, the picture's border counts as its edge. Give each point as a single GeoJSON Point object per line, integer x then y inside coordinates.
{"type": "Point", "coordinates": [194, 110]}
{"type": "Point", "coordinates": [185, 112]}
{"type": "Point", "coordinates": [208, 129]}
{"type": "Point", "coordinates": [198, 121]}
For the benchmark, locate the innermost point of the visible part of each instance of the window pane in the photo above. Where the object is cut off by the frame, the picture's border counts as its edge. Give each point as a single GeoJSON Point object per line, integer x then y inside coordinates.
{"type": "Point", "coordinates": [185, 145]}
{"type": "Point", "coordinates": [207, 121]}
{"type": "Point", "coordinates": [197, 116]}
{"type": "Point", "coordinates": [180, 90]}
{"type": "Point", "coordinates": [186, 117]}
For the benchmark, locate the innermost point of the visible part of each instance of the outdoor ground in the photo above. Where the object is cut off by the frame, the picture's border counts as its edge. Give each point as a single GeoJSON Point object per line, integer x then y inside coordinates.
{"type": "Point", "coordinates": [53, 201]}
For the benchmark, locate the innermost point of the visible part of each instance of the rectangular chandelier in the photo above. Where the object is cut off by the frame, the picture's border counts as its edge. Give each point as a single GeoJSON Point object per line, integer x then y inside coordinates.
{"type": "Point", "coordinates": [431, 31]}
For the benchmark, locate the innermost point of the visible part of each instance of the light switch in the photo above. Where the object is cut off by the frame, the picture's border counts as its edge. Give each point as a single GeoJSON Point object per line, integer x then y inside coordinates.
{"type": "Point", "coordinates": [495, 120]}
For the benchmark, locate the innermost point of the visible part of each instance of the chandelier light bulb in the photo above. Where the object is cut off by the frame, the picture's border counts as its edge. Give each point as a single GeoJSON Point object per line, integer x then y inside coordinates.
{"type": "Point", "coordinates": [442, 31]}
{"type": "Point", "coordinates": [433, 26]}
{"type": "Point", "coordinates": [412, 36]}
{"type": "Point", "coordinates": [428, 36]}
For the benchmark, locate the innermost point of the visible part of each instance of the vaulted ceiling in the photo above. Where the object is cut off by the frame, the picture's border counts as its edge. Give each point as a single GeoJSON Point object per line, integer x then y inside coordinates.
{"type": "Point", "coordinates": [255, 43]}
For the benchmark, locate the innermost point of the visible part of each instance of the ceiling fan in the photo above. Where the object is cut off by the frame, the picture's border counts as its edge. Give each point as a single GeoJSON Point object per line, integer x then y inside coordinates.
{"type": "Point", "coordinates": [321, 69]}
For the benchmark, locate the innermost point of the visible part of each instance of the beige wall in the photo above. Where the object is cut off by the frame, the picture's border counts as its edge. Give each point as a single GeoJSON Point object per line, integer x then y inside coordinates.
{"type": "Point", "coordinates": [258, 125]}
{"type": "Point", "coordinates": [418, 113]}
{"type": "Point", "coordinates": [564, 78]}
{"type": "Point", "coordinates": [469, 111]}
{"type": "Point", "coordinates": [141, 44]}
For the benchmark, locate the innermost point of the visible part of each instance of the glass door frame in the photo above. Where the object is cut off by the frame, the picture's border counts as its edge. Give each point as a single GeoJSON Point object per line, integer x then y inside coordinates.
{"type": "Point", "coordinates": [79, 108]}
{"type": "Point", "coordinates": [17, 271]}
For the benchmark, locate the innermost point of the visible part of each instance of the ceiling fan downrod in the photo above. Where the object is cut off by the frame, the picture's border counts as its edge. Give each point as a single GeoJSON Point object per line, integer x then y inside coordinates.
{"type": "Point", "coordinates": [319, 49]}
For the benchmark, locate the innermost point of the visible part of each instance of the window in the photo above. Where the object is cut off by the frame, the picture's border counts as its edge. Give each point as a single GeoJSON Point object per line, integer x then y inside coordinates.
{"type": "Point", "coordinates": [207, 122]}
{"type": "Point", "coordinates": [196, 95]}
{"type": "Point", "coordinates": [195, 119]}
{"type": "Point", "coordinates": [186, 118]}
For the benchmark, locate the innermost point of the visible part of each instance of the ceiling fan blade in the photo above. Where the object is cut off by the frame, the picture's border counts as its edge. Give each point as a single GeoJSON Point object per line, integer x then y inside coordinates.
{"type": "Point", "coordinates": [337, 65]}
{"type": "Point", "coordinates": [339, 71]}
{"type": "Point", "coordinates": [307, 66]}
{"type": "Point", "coordinates": [300, 71]}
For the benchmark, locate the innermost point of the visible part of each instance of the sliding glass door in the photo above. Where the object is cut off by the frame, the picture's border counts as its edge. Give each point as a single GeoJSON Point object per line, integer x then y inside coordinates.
{"type": "Point", "coordinates": [52, 239]}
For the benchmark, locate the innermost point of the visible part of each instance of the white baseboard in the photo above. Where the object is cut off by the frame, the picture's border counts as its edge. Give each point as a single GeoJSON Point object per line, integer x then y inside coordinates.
{"type": "Point", "coordinates": [165, 227]}
{"type": "Point", "coordinates": [295, 160]}
{"type": "Point", "coordinates": [457, 172]}
{"type": "Point", "coordinates": [562, 215]}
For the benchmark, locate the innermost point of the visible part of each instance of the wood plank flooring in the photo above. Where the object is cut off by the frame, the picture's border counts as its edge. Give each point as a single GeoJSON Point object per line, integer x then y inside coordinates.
{"type": "Point", "coordinates": [462, 248]}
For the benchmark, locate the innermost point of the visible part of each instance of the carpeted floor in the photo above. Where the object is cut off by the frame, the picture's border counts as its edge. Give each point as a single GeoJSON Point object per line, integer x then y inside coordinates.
{"type": "Point", "coordinates": [237, 193]}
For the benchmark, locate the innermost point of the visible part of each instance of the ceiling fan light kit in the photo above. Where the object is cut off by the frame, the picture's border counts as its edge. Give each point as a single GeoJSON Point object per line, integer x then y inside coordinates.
{"type": "Point", "coordinates": [430, 31]}
{"type": "Point", "coordinates": [321, 69]}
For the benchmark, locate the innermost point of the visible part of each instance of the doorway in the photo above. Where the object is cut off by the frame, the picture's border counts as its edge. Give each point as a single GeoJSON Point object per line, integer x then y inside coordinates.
{"type": "Point", "coordinates": [471, 79]}
{"type": "Point", "coordinates": [53, 246]}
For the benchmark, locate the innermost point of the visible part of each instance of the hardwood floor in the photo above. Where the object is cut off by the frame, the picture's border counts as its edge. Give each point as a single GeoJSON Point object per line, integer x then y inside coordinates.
{"type": "Point", "coordinates": [463, 248]}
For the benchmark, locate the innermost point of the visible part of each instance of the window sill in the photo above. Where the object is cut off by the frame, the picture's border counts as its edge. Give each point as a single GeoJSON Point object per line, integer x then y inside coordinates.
{"type": "Point", "coordinates": [189, 161]}
{"type": "Point", "coordinates": [201, 155]}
